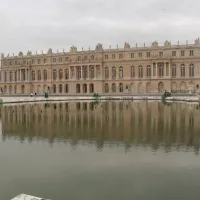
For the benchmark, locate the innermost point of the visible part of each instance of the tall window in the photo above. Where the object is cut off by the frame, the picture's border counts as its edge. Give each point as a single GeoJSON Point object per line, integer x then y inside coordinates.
{"type": "Point", "coordinates": [66, 88]}
{"type": "Point", "coordinates": [191, 52]}
{"type": "Point", "coordinates": [140, 54]}
{"type": "Point", "coordinates": [11, 74]}
{"type": "Point", "coordinates": [45, 75]}
{"type": "Point", "coordinates": [106, 57]}
{"type": "Point", "coordinates": [160, 71]}
{"type": "Point", "coordinates": [54, 88]}
{"type": "Point", "coordinates": [92, 57]}
{"type": "Point", "coordinates": [120, 56]}
{"type": "Point", "coordinates": [60, 60]}
{"type": "Point", "coordinates": [38, 61]}
{"type": "Point", "coordinates": [174, 70]}
{"type": "Point", "coordinates": [78, 72]}
{"type": "Point", "coordinates": [132, 55]}
{"type": "Point", "coordinates": [60, 74]}
{"type": "Point", "coordinates": [67, 74]}
{"type": "Point", "coordinates": [113, 87]}
{"type": "Point", "coordinates": [191, 70]}
{"type": "Point", "coordinates": [148, 71]}
{"type": "Point", "coordinates": [121, 88]}
{"type": "Point", "coordinates": [113, 72]}
{"type": "Point", "coordinates": [132, 71]}
{"type": "Point", "coordinates": [106, 73]}
{"type": "Point", "coordinates": [113, 56]}
{"type": "Point", "coordinates": [15, 75]}
{"type": "Point", "coordinates": [33, 76]}
{"type": "Point", "coordinates": [106, 88]}
{"type": "Point", "coordinates": [173, 53]}
{"type": "Point", "coordinates": [60, 88]}
{"type": "Point", "coordinates": [148, 54]}
{"type": "Point", "coordinates": [92, 72]}
{"type": "Point", "coordinates": [140, 71]}
{"type": "Point", "coordinates": [121, 72]}
{"type": "Point", "coordinates": [39, 75]}
{"type": "Point", "coordinates": [54, 74]}
{"type": "Point", "coordinates": [182, 70]}
{"type": "Point", "coordinates": [85, 72]}
{"type": "Point", "coordinates": [182, 53]}
{"type": "Point", "coordinates": [5, 77]}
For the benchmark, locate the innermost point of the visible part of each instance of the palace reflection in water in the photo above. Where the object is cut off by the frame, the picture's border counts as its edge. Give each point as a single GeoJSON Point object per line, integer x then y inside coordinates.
{"type": "Point", "coordinates": [174, 126]}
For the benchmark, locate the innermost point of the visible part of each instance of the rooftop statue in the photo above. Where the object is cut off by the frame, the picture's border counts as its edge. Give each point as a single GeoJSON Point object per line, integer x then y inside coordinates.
{"type": "Point", "coordinates": [167, 43]}
{"type": "Point", "coordinates": [99, 47]}
{"type": "Point", "coordinates": [29, 53]}
{"type": "Point", "coordinates": [49, 51]}
{"type": "Point", "coordinates": [155, 44]}
{"type": "Point", "coordinates": [2, 55]}
{"type": "Point", "coordinates": [20, 54]}
{"type": "Point", "coordinates": [197, 41]}
{"type": "Point", "coordinates": [126, 46]}
{"type": "Point", "coordinates": [73, 49]}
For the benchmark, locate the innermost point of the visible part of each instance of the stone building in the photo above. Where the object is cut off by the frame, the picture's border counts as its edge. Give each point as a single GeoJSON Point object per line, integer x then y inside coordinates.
{"type": "Point", "coordinates": [153, 69]}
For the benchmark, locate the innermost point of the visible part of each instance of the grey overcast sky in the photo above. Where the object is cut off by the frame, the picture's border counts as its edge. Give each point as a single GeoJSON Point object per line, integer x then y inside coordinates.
{"type": "Point", "coordinates": [40, 24]}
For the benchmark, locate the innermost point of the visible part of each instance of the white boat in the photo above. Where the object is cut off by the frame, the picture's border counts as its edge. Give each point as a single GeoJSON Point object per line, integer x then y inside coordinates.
{"type": "Point", "coordinates": [27, 197]}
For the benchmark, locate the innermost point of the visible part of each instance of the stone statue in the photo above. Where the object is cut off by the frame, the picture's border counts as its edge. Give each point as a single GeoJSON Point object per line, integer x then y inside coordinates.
{"type": "Point", "coordinates": [99, 47]}
{"type": "Point", "coordinates": [8, 55]}
{"type": "Point", "coordinates": [155, 44]}
{"type": "Point", "coordinates": [73, 49]}
{"type": "Point", "coordinates": [197, 42]}
{"type": "Point", "coordinates": [49, 51]}
{"type": "Point", "coordinates": [126, 46]}
{"type": "Point", "coordinates": [167, 43]}
{"type": "Point", "coordinates": [29, 53]}
{"type": "Point", "coordinates": [2, 55]}
{"type": "Point", "coordinates": [20, 54]}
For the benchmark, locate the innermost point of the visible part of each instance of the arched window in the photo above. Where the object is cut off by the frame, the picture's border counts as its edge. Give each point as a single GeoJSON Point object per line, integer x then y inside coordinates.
{"type": "Point", "coordinates": [11, 74]}
{"type": "Point", "coordinates": [54, 89]}
{"type": "Point", "coordinates": [78, 88]}
{"type": "Point", "coordinates": [67, 74]}
{"type": "Point", "coordinates": [10, 89]}
{"type": "Point", "coordinates": [92, 57]}
{"type": "Point", "coordinates": [60, 88]}
{"type": "Point", "coordinates": [91, 72]}
{"type": "Point", "coordinates": [33, 75]}
{"type": "Point", "coordinates": [121, 72]}
{"type": "Point", "coordinates": [121, 89]}
{"type": "Point", "coordinates": [182, 70]}
{"type": "Point", "coordinates": [45, 75]}
{"type": "Point", "coordinates": [66, 88]}
{"type": "Point", "coordinates": [173, 70]}
{"type": "Point", "coordinates": [113, 87]}
{"type": "Point", "coordinates": [60, 74]}
{"type": "Point", "coordinates": [113, 72]}
{"type": "Point", "coordinates": [106, 73]}
{"type": "Point", "coordinates": [84, 88]}
{"type": "Point", "coordinates": [191, 70]}
{"type": "Point", "coordinates": [106, 88]}
{"type": "Point", "coordinates": [140, 71]}
{"type": "Point", "coordinates": [91, 88]}
{"type": "Point", "coordinates": [39, 75]}
{"type": "Point", "coordinates": [132, 71]}
{"type": "Point", "coordinates": [5, 89]}
{"type": "Point", "coordinates": [160, 71]}
{"type": "Point", "coordinates": [5, 77]}
{"type": "Point", "coordinates": [54, 74]}
{"type": "Point", "coordinates": [148, 71]}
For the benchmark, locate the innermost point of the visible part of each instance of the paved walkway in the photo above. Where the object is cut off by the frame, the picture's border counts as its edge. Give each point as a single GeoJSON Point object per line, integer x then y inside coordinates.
{"type": "Point", "coordinates": [23, 99]}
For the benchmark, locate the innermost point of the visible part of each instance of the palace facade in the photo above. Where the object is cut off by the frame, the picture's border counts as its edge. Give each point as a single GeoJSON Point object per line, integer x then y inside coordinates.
{"type": "Point", "coordinates": [153, 69]}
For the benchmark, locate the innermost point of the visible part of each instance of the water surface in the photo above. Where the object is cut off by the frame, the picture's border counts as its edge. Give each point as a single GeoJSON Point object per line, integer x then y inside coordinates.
{"type": "Point", "coordinates": [111, 150]}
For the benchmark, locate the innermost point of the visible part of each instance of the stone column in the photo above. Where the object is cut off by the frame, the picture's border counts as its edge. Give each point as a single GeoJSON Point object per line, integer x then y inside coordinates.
{"type": "Point", "coordinates": [170, 70]}
{"type": "Point", "coordinates": [81, 72]}
{"type": "Point", "coordinates": [95, 71]}
{"type": "Point", "coordinates": [20, 75]}
{"type": "Point", "coordinates": [164, 69]}
{"type": "Point", "coordinates": [69, 73]}
{"type": "Point", "coordinates": [156, 70]}
{"type": "Point", "coordinates": [88, 72]}
{"type": "Point", "coordinates": [152, 70]}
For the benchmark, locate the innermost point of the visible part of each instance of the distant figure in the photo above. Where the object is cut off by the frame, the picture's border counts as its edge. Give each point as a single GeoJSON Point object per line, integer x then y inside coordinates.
{"type": "Point", "coordinates": [35, 94]}
{"type": "Point", "coordinates": [31, 94]}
